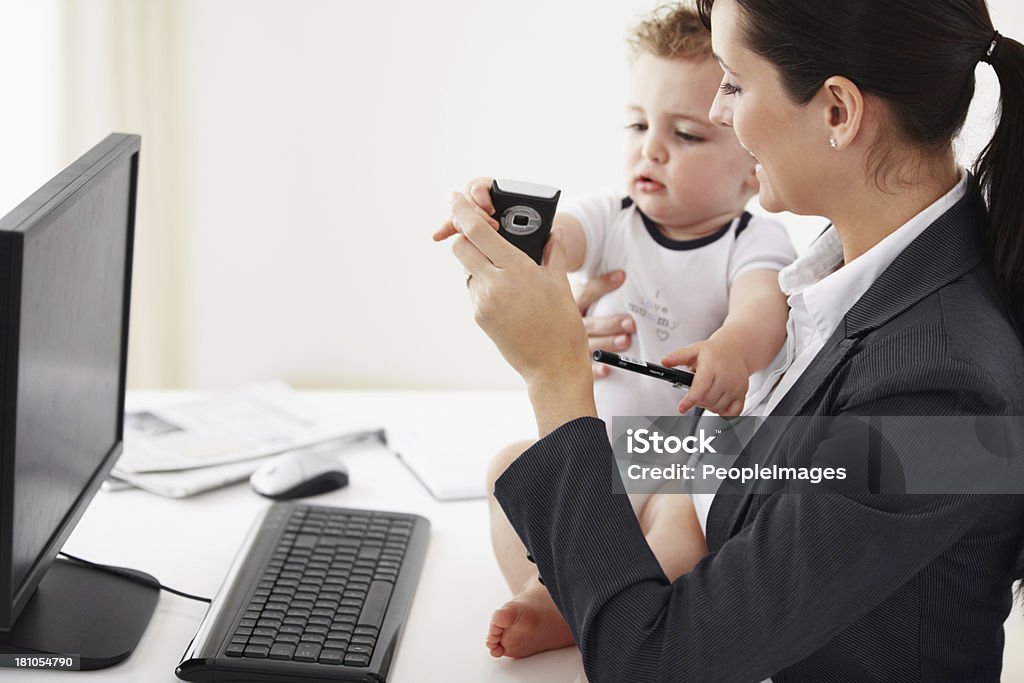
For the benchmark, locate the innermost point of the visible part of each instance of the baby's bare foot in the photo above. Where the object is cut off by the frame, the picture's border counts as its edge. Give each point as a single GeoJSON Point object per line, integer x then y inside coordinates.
{"type": "Point", "coordinates": [527, 624]}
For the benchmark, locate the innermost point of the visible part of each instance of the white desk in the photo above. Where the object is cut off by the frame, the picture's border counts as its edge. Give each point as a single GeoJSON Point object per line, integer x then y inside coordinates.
{"type": "Point", "coordinates": [189, 544]}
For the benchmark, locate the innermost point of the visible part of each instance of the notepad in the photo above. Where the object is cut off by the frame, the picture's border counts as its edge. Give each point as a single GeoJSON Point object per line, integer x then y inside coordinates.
{"type": "Point", "coordinates": [448, 448]}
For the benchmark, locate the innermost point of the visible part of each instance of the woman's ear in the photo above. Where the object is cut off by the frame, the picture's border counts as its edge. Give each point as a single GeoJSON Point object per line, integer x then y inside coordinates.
{"type": "Point", "coordinates": [843, 107]}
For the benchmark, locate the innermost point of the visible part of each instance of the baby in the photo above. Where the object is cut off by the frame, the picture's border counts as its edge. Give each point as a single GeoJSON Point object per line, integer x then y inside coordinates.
{"type": "Point", "coordinates": [701, 285]}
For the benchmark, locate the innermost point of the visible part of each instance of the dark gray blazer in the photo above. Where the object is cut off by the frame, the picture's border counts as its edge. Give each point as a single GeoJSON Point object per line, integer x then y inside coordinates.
{"type": "Point", "coordinates": [809, 587]}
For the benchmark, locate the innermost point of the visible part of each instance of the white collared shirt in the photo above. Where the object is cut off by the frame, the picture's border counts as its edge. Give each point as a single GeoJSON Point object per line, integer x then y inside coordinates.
{"type": "Point", "coordinates": [820, 293]}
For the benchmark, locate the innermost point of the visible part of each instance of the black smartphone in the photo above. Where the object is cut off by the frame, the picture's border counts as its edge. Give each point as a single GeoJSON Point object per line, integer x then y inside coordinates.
{"type": "Point", "coordinates": [525, 212]}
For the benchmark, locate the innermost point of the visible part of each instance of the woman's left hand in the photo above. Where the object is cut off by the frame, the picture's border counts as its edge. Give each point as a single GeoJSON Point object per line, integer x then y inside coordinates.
{"type": "Point", "coordinates": [527, 310]}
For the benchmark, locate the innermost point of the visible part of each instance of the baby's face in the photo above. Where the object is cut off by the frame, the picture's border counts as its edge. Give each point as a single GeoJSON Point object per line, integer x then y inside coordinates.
{"type": "Point", "coordinates": [681, 169]}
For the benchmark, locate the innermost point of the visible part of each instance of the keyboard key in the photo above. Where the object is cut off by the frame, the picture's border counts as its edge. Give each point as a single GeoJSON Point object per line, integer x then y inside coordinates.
{"type": "Point", "coordinates": [234, 650]}
{"type": "Point", "coordinates": [360, 650]}
{"type": "Point", "coordinates": [376, 604]}
{"type": "Point", "coordinates": [369, 554]}
{"type": "Point", "coordinates": [307, 652]}
{"type": "Point", "coordinates": [304, 541]}
{"type": "Point", "coordinates": [357, 660]}
{"type": "Point", "coordinates": [331, 656]}
{"type": "Point", "coordinates": [257, 651]}
{"type": "Point", "coordinates": [282, 651]}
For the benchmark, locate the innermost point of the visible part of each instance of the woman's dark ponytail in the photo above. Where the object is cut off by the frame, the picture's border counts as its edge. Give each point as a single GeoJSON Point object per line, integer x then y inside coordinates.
{"type": "Point", "coordinates": [1000, 172]}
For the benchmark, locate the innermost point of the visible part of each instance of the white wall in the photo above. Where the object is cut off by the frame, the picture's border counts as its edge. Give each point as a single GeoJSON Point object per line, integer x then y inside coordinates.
{"type": "Point", "coordinates": [297, 156]}
{"type": "Point", "coordinates": [324, 140]}
{"type": "Point", "coordinates": [30, 115]}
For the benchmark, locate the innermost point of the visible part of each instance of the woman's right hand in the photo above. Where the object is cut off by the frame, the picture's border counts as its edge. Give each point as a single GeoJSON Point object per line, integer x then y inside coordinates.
{"type": "Point", "coordinates": [607, 332]}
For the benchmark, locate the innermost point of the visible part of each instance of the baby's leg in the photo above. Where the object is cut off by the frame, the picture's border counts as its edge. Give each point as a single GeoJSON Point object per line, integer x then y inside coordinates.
{"type": "Point", "coordinates": [670, 525]}
{"type": "Point", "coordinates": [529, 622]}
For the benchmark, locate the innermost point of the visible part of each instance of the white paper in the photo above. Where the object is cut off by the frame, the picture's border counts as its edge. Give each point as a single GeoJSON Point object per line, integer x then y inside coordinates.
{"type": "Point", "coordinates": [226, 427]}
{"type": "Point", "coordinates": [449, 449]}
{"type": "Point", "coordinates": [185, 483]}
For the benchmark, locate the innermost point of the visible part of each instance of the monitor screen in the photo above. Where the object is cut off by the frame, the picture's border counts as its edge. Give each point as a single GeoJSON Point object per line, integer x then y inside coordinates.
{"type": "Point", "coordinates": [65, 277]}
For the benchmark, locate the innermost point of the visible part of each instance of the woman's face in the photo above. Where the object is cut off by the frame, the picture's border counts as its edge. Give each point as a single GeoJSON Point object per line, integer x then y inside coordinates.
{"type": "Point", "coordinates": [790, 142]}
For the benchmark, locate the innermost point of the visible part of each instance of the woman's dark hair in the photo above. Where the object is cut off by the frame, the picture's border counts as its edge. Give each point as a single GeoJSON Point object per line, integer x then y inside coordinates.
{"type": "Point", "coordinates": [919, 57]}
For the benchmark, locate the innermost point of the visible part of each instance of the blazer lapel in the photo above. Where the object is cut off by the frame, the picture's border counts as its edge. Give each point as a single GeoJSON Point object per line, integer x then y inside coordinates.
{"type": "Point", "coordinates": [947, 249]}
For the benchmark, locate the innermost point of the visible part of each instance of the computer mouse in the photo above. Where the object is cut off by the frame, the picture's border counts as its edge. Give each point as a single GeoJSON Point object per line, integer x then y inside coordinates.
{"type": "Point", "coordinates": [299, 474]}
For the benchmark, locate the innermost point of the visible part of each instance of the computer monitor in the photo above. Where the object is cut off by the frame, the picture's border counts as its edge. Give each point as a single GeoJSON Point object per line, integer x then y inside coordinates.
{"type": "Point", "coordinates": [65, 282]}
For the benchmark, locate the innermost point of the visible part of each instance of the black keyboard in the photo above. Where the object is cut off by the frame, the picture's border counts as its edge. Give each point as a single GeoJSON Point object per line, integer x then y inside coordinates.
{"type": "Point", "coordinates": [315, 593]}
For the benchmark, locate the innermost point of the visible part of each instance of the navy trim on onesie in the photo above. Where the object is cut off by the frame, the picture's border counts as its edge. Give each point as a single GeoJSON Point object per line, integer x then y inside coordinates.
{"type": "Point", "coordinates": [744, 222]}
{"type": "Point", "coordinates": [683, 245]}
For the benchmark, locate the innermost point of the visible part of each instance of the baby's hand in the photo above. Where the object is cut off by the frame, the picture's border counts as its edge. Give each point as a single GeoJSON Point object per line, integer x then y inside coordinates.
{"type": "Point", "coordinates": [720, 377]}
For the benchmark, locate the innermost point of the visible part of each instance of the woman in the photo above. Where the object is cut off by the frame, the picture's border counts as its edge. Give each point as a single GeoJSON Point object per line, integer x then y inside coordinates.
{"type": "Point", "coordinates": [905, 307]}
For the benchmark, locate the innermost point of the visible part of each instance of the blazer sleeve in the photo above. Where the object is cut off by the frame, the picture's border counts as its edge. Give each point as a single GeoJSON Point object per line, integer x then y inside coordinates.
{"type": "Point", "coordinates": [805, 568]}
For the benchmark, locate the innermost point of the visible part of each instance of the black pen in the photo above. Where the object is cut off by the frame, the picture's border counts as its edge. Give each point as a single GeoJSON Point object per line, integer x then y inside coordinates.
{"type": "Point", "coordinates": [678, 378]}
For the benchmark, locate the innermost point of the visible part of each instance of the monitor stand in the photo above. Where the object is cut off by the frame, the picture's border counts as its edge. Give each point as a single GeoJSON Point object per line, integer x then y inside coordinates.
{"type": "Point", "coordinates": [79, 610]}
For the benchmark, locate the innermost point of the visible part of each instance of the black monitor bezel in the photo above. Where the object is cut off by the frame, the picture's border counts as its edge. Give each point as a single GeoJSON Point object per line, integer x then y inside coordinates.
{"type": "Point", "coordinates": [36, 213]}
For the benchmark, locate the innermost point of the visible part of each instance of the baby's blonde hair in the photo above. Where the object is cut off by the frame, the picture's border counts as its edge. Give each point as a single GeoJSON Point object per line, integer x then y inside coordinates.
{"type": "Point", "coordinates": [672, 32]}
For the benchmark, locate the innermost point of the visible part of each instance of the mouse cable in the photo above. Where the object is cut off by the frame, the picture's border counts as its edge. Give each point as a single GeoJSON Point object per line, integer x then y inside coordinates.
{"type": "Point", "coordinates": [128, 574]}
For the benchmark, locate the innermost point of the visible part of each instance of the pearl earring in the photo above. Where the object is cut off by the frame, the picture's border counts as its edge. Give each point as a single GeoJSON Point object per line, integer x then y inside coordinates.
{"type": "Point", "coordinates": [833, 143]}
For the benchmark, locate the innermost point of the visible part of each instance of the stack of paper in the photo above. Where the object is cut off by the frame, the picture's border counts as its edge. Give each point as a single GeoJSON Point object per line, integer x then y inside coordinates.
{"type": "Point", "coordinates": [181, 449]}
